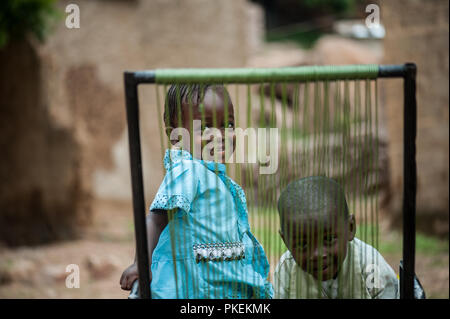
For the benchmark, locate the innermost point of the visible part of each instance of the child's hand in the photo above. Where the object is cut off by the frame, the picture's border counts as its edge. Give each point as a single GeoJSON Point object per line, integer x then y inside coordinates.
{"type": "Point", "coordinates": [129, 276]}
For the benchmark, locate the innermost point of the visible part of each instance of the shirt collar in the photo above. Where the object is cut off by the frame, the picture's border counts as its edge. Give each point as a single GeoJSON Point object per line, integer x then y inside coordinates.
{"type": "Point", "coordinates": [174, 156]}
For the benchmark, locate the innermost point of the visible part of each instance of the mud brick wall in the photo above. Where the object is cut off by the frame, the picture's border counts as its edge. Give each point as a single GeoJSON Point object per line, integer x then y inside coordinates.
{"type": "Point", "coordinates": [417, 31]}
{"type": "Point", "coordinates": [62, 112]}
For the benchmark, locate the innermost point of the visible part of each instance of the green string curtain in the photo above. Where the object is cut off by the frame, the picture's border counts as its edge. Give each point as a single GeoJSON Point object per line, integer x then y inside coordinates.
{"type": "Point", "coordinates": [328, 125]}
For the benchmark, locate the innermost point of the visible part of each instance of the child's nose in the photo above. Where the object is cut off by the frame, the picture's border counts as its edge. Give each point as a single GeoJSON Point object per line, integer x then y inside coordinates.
{"type": "Point", "coordinates": [222, 131]}
{"type": "Point", "coordinates": [319, 252]}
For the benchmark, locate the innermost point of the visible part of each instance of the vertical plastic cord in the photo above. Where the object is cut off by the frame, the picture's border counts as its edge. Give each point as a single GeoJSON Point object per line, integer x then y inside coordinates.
{"type": "Point", "coordinates": [350, 118]}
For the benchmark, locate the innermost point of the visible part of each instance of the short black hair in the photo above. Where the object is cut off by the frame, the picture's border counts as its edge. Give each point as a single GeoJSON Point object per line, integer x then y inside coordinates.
{"type": "Point", "coordinates": [190, 94]}
{"type": "Point", "coordinates": [311, 195]}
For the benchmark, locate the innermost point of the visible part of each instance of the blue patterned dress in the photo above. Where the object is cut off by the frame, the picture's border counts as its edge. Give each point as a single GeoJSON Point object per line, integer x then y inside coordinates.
{"type": "Point", "coordinates": [213, 254]}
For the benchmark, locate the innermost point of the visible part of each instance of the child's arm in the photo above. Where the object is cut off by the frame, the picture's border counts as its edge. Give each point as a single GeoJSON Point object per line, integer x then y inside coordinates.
{"type": "Point", "coordinates": [156, 221]}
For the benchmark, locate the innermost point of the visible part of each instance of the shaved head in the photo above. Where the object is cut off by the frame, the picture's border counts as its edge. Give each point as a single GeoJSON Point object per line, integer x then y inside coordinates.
{"type": "Point", "coordinates": [315, 195]}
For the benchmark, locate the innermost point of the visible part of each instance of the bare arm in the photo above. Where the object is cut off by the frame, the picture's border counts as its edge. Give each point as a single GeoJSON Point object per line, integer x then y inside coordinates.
{"type": "Point", "coordinates": [156, 222]}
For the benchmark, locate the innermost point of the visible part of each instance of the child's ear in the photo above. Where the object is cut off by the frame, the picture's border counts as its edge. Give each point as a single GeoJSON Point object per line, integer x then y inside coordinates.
{"type": "Point", "coordinates": [351, 227]}
{"type": "Point", "coordinates": [168, 132]}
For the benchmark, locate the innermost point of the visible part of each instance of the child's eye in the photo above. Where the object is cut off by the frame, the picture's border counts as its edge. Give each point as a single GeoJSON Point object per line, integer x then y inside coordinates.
{"type": "Point", "coordinates": [301, 247]}
{"type": "Point", "coordinates": [329, 240]}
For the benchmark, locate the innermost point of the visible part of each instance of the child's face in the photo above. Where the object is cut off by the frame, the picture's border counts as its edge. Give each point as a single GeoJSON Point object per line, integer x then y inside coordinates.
{"type": "Point", "coordinates": [318, 242]}
{"type": "Point", "coordinates": [214, 112]}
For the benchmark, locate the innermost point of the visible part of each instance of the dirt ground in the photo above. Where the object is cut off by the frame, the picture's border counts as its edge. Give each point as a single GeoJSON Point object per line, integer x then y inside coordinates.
{"type": "Point", "coordinates": [104, 250]}
{"type": "Point", "coordinates": [107, 248]}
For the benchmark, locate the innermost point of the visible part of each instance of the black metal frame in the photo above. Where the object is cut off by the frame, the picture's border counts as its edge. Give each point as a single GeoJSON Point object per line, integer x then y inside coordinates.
{"type": "Point", "coordinates": [406, 71]}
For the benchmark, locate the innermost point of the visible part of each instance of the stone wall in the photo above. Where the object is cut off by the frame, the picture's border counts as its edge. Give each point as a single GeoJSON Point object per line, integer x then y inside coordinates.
{"type": "Point", "coordinates": [63, 106]}
{"type": "Point", "coordinates": [417, 31]}
{"type": "Point", "coordinates": [40, 190]}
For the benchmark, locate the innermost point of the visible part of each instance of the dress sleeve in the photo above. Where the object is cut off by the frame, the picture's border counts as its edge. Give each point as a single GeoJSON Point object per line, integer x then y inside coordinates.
{"type": "Point", "coordinates": [177, 190]}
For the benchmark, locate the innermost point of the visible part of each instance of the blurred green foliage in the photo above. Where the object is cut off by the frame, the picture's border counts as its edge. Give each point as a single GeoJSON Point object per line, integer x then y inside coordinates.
{"type": "Point", "coordinates": [265, 226]}
{"type": "Point", "coordinates": [305, 38]}
{"type": "Point", "coordinates": [305, 21]}
{"type": "Point", "coordinates": [20, 17]}
{"type": "Point", "coordinates": [331, 6]}
{"type": "Point", "coordinates": [391, 242]}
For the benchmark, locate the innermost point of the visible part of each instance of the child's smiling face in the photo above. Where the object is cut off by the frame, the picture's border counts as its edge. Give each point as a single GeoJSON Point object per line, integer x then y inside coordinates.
{"type": "Point", "coordinates": [215, 111]}
{"type": "Point", "coordinates": [318, 242]}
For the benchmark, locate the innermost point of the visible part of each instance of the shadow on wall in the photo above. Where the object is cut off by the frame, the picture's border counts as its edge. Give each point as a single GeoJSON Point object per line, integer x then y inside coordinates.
{"type": "Point", "coordinates": [40, 194]}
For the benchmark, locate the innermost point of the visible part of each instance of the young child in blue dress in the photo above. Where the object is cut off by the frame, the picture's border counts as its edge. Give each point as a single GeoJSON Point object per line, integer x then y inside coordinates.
{"type": "Point", "coordinates": [198, 232]}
